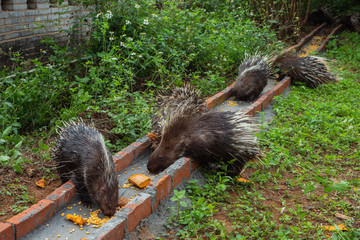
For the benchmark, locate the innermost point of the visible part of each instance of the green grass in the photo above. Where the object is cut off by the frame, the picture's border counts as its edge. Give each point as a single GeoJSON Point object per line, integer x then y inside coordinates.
{"type": "Point", "coordinates": [311, 171]}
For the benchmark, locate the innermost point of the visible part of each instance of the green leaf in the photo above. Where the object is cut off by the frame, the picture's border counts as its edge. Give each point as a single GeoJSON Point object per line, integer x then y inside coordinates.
{"type": "Point", "coordinates": [4, 159]}
{"type": "Point", "coordinates": [18, 145]}
{"type": "Point", "coordinates": [6, 131]}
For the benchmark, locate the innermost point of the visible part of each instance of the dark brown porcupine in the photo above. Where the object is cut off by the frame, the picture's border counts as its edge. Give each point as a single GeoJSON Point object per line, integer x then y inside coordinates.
{"type": "Point", "coordinates": [81, 155]}
{"type": "Point", "coordinates": [311, 70]}
{"type": "Point", "coordinates": [182, 100]}
{"type": "Point", "coordinates": [254, 73]}
{"type": "Point", "coordinates": [208, 137]}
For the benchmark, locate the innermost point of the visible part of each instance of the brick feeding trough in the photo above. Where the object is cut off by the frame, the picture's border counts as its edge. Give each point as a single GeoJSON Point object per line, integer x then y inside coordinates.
{"type": "Point", "coordinates": [44, 217]}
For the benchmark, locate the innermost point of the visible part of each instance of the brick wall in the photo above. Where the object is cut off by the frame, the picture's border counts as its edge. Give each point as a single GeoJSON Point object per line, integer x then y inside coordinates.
{"type": "Point", "coordinates": [24, 23]}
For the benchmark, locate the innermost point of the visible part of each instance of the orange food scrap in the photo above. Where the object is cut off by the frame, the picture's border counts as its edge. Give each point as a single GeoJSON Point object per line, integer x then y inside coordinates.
{"type": "Point", "coordinates": [139, 180]}
{"type": "Point", "coordinates": [243, 180]}
{"type": "Point", "coordinates": [152, 136]}
{"type": "Point", "coordinates": [40, 183]}
{"type": "Point", "coordinates": [122, 201]}
{"type": "Point", "coordinates": [332, 228]}
{"type": "Point", "coordinates": [76, 219]}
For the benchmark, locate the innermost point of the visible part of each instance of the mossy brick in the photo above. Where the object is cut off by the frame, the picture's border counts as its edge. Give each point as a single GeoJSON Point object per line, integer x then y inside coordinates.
{"type": "Point", "coordinates": [7, 231]}
{"type": "Point", "coordinates": [9, 21]}
{"type": "Point", "coordinates": [17, 14]}
{"type": "Point", "coordinates": [62, 195]}
{"type": "Point", "coordinates": [210, 103]}
{"type": "Point", "coordinates": [163, 189]}
{"type": "Point", "coordinates": [19, 7]}
{"type": "Point", "coordinates": [32, 217]}
{"type": "Point", "coordinates": [140, 208]}
{"type": "Point", "coordinates": [181, 171]}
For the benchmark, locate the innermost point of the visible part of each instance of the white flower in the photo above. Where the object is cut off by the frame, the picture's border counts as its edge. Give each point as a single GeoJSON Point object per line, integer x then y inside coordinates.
{"type": "Point", "coordinates": [98, 15]}
{"type": "Point", "coordinates": [140, 56]}
{"type": "Point", "coordinates": [114, 58]}
{"type": "Point", "coordinates": [154, 15]}
{"type": "Point", "coordinates": [108, 14]}
{"type": "Point", "coordinates": [111, 39]}
{"type": "Point", "coordinates": [133, 53]}
{"type": "Point", "coordinates": [146, 21]}
{"type": "Point", "coordinates": [127, 22]}
{"type": "Point", "coordinates": [130, 39]}
{"type": "Point", "coordinates": [122, 44]}
{"type": "Point", "coordinates": [160, 53]}
{"type": "Point", "coordinates": [137, 6]}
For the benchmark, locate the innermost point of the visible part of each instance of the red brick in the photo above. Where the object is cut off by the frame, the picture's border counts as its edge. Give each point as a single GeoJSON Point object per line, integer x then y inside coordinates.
{"type": "Point", "coordinates": [257, 106]}
{"type": "Point", "coordinates": [63, 194]}
{"type": "Point", "coordinates": [210, 103]}
{"type": "Point", "coordinates": [117, 232]}
{"type": "Point", "coordinates": [29, 219]}
{"type": "Point", "coordinates": [123, 158]}
{"type": "Point", "coordinates": [263, 99]}
{"type": "Point", "coordinates": [163, 189]}
{"type": "Point", "coordinates": [270, 93]}
{"type": "Point", "coordinates": [250, 111]}
{"type": "Point", "coordinates": [287, 81]}
{"type": "Point", "coordinates": [276, 89]}
{"type": "Point", "coordinates": [139, 212]}
{"type": "Point", "coordinates": [139, 147]}
{"type": "Point", "coordinates": [220, 97]}
{"type": "Point", "coordinates": [194, 165]}
{"type": "Point", "coordinates": [282, 87]}
{"type": "Point", "coordinates": [227, 92]}
{"type": "Point", "coordinates": [181, 173]}
{"type": "Point", "coordinates": [6, 231]}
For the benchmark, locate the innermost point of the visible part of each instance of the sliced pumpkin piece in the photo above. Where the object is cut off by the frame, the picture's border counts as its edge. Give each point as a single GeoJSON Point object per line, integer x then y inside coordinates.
{"type": "Point", "coordinates": [139, 180]}
{"type": "Point", "coordinates": [76, 219]}
{"type": "Point", "coordinates": [40, 183]}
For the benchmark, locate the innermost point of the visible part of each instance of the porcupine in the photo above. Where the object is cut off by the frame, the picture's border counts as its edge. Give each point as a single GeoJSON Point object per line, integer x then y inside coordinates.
{"type": "Point", "coordinates": [183, 100]}
{"type": "Point", "coordinates": [311, 70]}
{"type": "Point", "coordinates": [81, 155]}
{"type": "Point", "coordinates": [254, 73]}
{"type": "Point", "coordinates": [208, 137]}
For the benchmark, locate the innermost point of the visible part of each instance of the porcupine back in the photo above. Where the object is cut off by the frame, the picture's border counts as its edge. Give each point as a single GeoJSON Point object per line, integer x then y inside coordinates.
{"type": "Point", "coordinates": [81, 155]}
{"type": "Point", "coordinates": [182, 100]}
{"type": "Point", "coordinates": [254, 73]}
{"type": "Point", "coordinates": [311, 70]}
{"type": "Point", "coordinates": [208, 137]}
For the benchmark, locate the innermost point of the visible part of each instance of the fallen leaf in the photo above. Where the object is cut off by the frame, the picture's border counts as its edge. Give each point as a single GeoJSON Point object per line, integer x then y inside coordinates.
{"type": "Point", "coordinates": [40, 183]}
{"type": "Point", "coordinates": [339, 215]}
